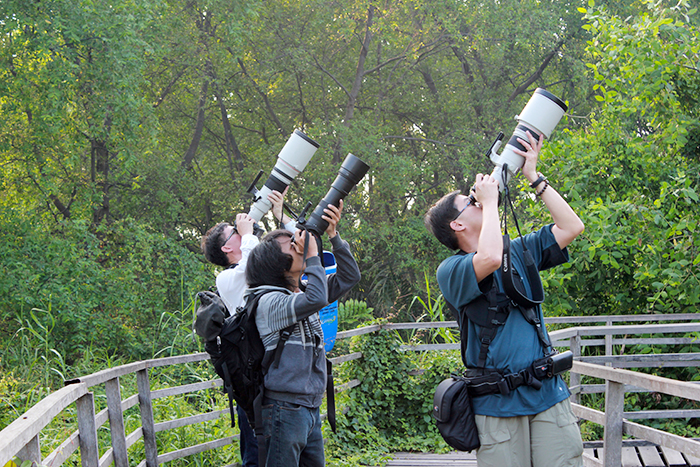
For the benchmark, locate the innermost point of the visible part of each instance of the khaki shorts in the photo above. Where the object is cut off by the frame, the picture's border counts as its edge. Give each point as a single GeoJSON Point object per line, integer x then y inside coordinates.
{"type": "Point", "coordinates": [551, 438]}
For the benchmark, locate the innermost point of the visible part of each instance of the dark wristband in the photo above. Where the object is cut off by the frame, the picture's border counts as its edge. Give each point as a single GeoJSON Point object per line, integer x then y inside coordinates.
{"type": "Point", "coordinates": [541, 179]}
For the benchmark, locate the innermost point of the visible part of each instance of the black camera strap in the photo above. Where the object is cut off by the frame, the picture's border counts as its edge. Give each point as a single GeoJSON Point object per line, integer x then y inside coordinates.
{"type": "Point", "coordinates": [514, 288]}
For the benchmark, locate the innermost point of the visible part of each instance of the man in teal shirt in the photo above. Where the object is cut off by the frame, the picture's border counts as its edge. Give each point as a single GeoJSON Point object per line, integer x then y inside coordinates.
{"type": "Point", "coordinates": [529, 425]}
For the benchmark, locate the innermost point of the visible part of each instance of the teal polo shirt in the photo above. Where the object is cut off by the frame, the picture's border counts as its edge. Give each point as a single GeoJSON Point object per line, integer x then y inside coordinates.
{"type": "Point", "coordinates": [515, 345]}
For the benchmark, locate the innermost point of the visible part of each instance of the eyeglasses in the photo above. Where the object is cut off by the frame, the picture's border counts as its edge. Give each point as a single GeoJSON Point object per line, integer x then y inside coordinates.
{"type": "Point", "coordinates": [233, 231]}
{"type": "Point", "coordinates": [257, 231]}
{"type": "Point", "coordinates": [470, 201]}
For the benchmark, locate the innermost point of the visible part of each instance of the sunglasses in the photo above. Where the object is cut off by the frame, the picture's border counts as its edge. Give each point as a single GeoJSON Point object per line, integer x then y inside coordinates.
{"type": "Point", "coordinates": [470, 201]}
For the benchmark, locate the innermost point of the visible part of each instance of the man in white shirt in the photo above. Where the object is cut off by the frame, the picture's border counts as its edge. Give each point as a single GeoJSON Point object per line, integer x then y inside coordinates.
{"type": "Point", "coordinates": [228, 246]}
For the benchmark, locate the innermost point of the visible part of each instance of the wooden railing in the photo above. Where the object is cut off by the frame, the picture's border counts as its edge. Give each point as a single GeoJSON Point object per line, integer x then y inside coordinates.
{"type": "Point", "coordinates": [21, 437]}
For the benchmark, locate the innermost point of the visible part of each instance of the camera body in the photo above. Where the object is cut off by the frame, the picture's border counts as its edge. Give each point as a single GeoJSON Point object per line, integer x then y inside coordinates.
{"type": "Point", "coordinates": [292, 159]}
{"type": "Point", "coordinates": [540, 115]}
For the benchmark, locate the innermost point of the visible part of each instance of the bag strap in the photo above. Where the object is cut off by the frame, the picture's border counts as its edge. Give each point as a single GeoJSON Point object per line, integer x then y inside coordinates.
{"type": "Point", "coordinates": [330, 395]}
{"type": "Point", "coordinates": [228, 387]}
{"type": "Point", "coordinates": [496, 317]}
{"type": "Point", "coordinates": [259, 432]}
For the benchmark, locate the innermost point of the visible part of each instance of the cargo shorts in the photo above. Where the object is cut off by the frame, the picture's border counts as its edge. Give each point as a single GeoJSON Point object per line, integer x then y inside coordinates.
{"type": "Point", "coordinates": [551, 438]}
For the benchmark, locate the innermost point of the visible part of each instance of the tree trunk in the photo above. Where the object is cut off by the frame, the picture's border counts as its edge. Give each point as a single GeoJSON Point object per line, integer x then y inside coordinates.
{"type": "Point", "coordinates": [199, 127]}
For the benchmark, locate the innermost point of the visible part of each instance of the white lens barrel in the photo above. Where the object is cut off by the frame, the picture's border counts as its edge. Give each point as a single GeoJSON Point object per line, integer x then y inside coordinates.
{"type": "Point", "coordinates": [294, 156]}
{"type": "Point", "coordinates": [514, 161]}
{"type": "Point", "coordinates": [540, 116]}
{"type": "Point", "coordinates": [542, 112]}
{"type": "Point", "coordinates": [292, 159]}
{"type": "Point", "coordinates": [262, 205]}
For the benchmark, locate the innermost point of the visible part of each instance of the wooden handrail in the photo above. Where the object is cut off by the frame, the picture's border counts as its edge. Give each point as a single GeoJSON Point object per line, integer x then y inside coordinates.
{"type": "Point", "coordinates": [22, 436]}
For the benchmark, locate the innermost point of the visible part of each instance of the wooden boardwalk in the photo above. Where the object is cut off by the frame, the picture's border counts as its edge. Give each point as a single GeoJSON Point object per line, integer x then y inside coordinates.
{"type": "Point", "coordinates": [632, 456]}
{"type": "Point", "coordinates": [420, 459]}
{"type": "Point", "coordinates": [649, 456]}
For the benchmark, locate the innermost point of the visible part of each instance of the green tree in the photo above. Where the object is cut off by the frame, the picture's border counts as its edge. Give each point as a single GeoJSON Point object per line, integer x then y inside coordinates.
{"type": "Point", "coordinates": [632, 173]}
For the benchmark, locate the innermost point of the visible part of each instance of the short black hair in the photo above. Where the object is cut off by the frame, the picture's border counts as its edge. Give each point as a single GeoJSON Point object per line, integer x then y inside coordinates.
{"type": "Point", "coordinates": [268, 264]}
{"type": "Point", "coordinates": [440, 216]}
{"type": "Point", "coordinates": [212, 241]}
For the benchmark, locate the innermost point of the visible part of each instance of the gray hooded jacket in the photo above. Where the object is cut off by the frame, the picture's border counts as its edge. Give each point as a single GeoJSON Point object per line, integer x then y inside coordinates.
{"type": "Point", "coordinates": [300, 377]}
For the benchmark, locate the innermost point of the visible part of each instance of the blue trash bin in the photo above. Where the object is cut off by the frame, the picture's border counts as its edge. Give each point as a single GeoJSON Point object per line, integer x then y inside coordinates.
{"type": "Point", "coordinates": [329, 313]}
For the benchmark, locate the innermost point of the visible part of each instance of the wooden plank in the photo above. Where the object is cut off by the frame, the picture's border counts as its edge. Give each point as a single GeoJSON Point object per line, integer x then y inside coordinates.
{"type": "Point", "coordinates": [191, 420]}
{"type": "Point", "coordinates": [653, 383]}
{"type": "Point", "coordinates": [421, 325]}
{"type": "Point", "coordinates": [103, 376]}
{"type": "Point", "coordinates": [134, 436]}
{"type": "Point", "coordinates": [63, 451]}
{"type": "Point", "coordinates": [560, 342]}
{"type": "Point", "coordinates": [177, 360]}
{"type": "Point", "coordinates": [358, 331]}
{"type": "Point", "coordinates": [621, 318]}
{"type": "Point", "coordinates": [428, 347]}
{"type": "Point", "coordinates": [21, 431]}
{"type": "Point", "coordinates": [648, 360]}
{"type": "Point", "coordinates": [630, 458]}
{"type": "Point", "coordinates": [662, 438]}
{"type": "Point", "coordinates": [31, 451]}
{"type": "Point", "coordinates": [107, 458]}
{"type": "Point", "coordinates": [196, 449]}
{"type": "Point", "coordinates": [614, 401]}
{"type": "Point", "coordinates": [681, 328]}
{"type": "Point", "coordinates": [692, 460]}
{"type": "Point", "coordinates": [586, 413]}
{"type": "Point", "coordinates": [346, 386]}
{"type": "Point", "coordinates": [654, 414]}
{"type": "Point", "coordinates": [116, 422]}
{"type": "Point", "coordinates": [650, 456]}
{"type": "Point", "coordinates": [186, 388]}
{"type": "Point", "coordinates": [147, 421]}
{"type": "Point", "coordinates": [590, 460]}
{"type": "Point", "coordinates": [673, 457]}
{"type": "Point", "coordinates": [452, 459]}
{"type": "Point", "coordinates": [600, 388]}
{"type": "Point", "coordinates": [89, 452]}
{"type": "Point", "coordinates": [346, 358]}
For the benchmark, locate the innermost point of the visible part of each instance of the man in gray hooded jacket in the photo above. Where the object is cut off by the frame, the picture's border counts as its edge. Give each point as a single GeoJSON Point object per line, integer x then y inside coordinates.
{"type": "Point", "coordinates": [294, 388]}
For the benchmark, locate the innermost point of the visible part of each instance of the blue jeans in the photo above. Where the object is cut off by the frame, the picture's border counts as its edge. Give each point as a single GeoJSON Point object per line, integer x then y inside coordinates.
{"type": "Point", "coordinates": [293, 435]}
{"type": "Point", "coordinates": [249, 444]}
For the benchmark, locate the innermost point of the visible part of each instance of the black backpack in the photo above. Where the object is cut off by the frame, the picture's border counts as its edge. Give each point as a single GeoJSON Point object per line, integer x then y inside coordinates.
{"type": "Point", "coordinates": [236, 350]}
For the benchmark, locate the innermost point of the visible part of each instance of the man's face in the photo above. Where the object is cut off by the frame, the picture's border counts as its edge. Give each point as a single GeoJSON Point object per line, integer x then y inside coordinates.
{"type": "Point", "coordinates": [233, 244]}
{"type": "Point", "coordinates": [289, 247]}
{"type": "Point", "coordinates": [469, 211]}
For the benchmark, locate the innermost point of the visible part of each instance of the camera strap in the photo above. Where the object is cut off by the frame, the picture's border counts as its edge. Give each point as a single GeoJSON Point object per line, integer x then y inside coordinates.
{"type": "Point", "coordinates": [515, 288]}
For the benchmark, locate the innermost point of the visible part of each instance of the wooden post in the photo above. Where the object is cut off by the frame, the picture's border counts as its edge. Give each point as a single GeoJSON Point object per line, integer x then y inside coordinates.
{"type": "Point", "coordinates": [575, 378]}
{"type": "Point", "coordinates": [31, 451]}
{"type": "Point", "coordinates": [614, 407]}
{"type": "Point", "coordinates": [116, 422]}
{"type": "Point", "coordinates": [147, 422]}
{"type": "Point", "coordinates": [608, 342]}
{"type": "Point", "coordinates": [89, 453]}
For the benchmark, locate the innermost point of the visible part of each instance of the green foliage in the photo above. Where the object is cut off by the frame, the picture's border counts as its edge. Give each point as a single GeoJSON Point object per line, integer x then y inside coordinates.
{"type": "Point", "coordinates": [434, 310]}
{"type": "Point", "coordinates": [390, 410]}
{"type": "Point", "coordinates": [353, 312]}
{"type": "Point", "coordinates": [69, 291]}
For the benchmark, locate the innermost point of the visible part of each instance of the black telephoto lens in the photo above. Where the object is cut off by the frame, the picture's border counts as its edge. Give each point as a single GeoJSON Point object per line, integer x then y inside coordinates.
{"type": "Point", "coordinates": [350, 173]}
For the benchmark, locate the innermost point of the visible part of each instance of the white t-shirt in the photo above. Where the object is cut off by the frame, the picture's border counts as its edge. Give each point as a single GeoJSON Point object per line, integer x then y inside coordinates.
{"type": "Point", "coordinates": [231, 282]}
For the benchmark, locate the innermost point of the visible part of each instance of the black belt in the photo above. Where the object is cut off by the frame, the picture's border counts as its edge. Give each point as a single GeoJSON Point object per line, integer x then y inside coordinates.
{"type": "Point", "coordinates": [495, 382]}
